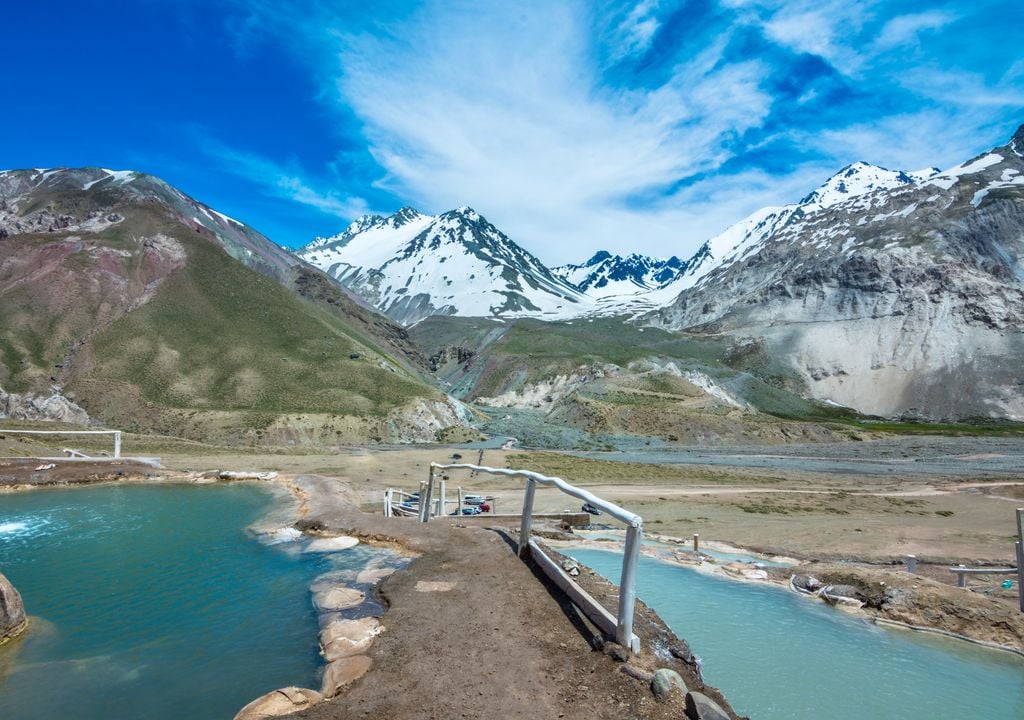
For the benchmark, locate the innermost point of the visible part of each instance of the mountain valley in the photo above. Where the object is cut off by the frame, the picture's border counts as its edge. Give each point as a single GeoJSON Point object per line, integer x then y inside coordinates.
{"type": "Point", "coordinates": [883, 293]}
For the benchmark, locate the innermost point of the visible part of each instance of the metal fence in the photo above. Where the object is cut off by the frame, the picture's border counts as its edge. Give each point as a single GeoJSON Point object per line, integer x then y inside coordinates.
{"type": "Point", "coordinates": [619, 626]}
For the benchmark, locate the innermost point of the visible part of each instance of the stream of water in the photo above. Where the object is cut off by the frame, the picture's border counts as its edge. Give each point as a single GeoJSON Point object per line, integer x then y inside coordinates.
{"type": "Point", "coordinates": [779, 656]}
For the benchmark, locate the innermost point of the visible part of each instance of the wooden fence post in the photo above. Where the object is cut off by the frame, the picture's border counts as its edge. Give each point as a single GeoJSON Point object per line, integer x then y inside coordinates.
{"type": "Point", "coordinates": [696, 542]}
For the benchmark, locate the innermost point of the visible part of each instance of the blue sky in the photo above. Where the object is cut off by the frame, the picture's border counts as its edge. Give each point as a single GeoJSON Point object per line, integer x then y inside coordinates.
{"type": "Point", "coordinates": [629, 126]}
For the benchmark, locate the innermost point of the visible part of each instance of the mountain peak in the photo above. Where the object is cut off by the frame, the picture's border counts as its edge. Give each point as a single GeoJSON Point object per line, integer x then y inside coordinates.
{"type": "Point", "coordinates": [856, 179]}
{"type": "Point", "coordinates": [1017, 141]}
{"type": "Point", "coordinates": [412, 266]}
{"type": "Point", "coordinates": [406, 215]}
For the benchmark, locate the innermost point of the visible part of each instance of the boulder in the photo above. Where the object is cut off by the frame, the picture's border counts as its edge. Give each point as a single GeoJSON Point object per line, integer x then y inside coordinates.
{"type": "Point", "coordinates": [337, 598]}
{"type": "Point", "coordinates": [700, 707]}
{"type": "Point", "coordinates": [279, 702]}
{"type": "Point", "coordinates": [12, 611]}
{"type": "Point", "coordinates": [375, 575]}
{"type": "Point", "coordinates": [341, 672]}
{"type": "Point", "coordinates": [333, 544]}
{"type": "Point", "coordinates": [635, 672]}
{"type": "Point", "coordinates": [664, 680]}
{"type": "Point", "coordinates": [344, 638]}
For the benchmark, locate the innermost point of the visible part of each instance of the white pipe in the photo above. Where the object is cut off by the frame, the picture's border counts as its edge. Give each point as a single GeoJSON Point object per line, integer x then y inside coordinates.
{"type": "Point", "coordinates": [524, 525]}
{"type": "Point", "coordinates": [612, 509]}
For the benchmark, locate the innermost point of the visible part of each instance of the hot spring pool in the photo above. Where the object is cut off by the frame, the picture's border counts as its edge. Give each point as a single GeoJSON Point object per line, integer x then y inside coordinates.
{"type": "Point", "coordinates": [153, 602]}
{"type": "Point", "coordinates": [779, 656]}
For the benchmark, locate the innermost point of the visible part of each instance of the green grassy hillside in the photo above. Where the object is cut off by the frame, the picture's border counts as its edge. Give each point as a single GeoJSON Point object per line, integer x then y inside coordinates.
{"type": "Point", "coordinates": [220, 336]}
{"type": "Point", "coordinates": [153, 323]}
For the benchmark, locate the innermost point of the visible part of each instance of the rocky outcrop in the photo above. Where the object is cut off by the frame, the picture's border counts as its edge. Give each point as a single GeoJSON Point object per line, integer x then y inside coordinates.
{"type": "Point", "coordinates": [279, 702]}
{"type": "Point", "coordinates": [54, 407]}
{"type": "Point", "coordinates": [901, 302]}
{"type": "Point", "coordinates": [343, 672]}
{"type": "Point", "coordinates": [13, 620]}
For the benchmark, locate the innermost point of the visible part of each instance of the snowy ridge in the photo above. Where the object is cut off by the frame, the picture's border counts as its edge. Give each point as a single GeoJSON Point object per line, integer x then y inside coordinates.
{"type": "Point", "coordinates": [411, 266]}
{"type": "Point", "coordinates": [861, 178]}
{"type": "Point", "coordinates": [605, 274]}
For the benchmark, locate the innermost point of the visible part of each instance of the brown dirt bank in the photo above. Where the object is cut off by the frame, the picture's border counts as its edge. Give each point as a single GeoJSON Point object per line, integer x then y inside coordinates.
{"type": "Point", "coordinates": [499, 641]}
{"type": "Point", "coordinates": [18, 473]}
{"type": "Point", "coordinates": [923, 602]}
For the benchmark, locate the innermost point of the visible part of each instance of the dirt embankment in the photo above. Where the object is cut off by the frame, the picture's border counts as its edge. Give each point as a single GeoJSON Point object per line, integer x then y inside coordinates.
{"type": "Point", "coordinates": [923, 602]}
{"type": "Point", "coordinates": [472, 631]}
{"type": "Point", "coordinates": [26, 473]}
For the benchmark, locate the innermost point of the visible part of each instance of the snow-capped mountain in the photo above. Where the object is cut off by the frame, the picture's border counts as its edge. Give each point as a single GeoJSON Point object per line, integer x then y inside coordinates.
{"type": "Point", "coordinates": [905, 299]}
{"type": "Point", "coordinates": [754, 231]}
{"type": "Point", "coordinates": [861, 178]}
{"type": "Point", "coordinates": [412, 266]}
{"type": "Point", "coordinates": [606, 274]}
{"type": "Point", "coordinates": [638, 283]}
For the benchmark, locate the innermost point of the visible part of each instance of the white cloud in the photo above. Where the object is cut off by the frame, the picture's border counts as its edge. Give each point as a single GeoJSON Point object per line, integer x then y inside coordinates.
{"type": "Point", "coordinates": [516, 109]}
{"type": "Point", "coordinates": [503, 112]}
{"type": "Point", "coordinates": [905, 29]}
{"type": "Point", "coordinates": [908, 142]}
{"type": "Point", "coordinates": [280, 181]}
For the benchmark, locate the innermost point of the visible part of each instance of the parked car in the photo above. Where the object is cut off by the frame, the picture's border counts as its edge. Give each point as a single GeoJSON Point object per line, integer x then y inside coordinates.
{"type": "Point", "coordinates": [474, 499]}
{"type": "Point", "coordinates": [469, 511]}
{"type": "Point", "coordinates": [588, 508]}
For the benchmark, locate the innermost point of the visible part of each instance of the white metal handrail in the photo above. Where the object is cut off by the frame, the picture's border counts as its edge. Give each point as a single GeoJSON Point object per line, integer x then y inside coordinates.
{"type": "Point", "coordinates": [623, 630]}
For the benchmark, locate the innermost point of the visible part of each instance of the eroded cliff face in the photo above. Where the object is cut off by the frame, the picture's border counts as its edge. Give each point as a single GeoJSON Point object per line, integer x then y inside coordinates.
{"type": "Point", "coordinates": [901, 302]}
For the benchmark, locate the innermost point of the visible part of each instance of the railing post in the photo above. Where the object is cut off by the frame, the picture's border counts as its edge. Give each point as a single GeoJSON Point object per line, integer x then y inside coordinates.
{"type": "Point", "coordinates": [441, 509]}
{"type": "Point", "coordinates": [627, 587]}
{"type": "Point", "coordinates": [117, 444]}
{"type": "Point", "coordinates": [911, 563]}
{"type": "Point", "coordinates": [428, 501]}
{"type": "Point", "coordinates": [1020, 558]}
{"type": "Point", "coordinates": [387, 503]}
{"type": "Point", "coordinates": [421, 498]}
{"type": "Point", "coordinates": [961, 578]}
{"type": "Point", "coordinates": [696, 543]}
{"type": "Point", "coordinates": [524, 525]}
{"type": "Point", "coordinates": [460, 501]}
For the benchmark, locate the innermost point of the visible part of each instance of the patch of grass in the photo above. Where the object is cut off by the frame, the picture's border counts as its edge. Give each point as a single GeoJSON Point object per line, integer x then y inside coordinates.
{"type": "Point", "coordinates": [589, 470]}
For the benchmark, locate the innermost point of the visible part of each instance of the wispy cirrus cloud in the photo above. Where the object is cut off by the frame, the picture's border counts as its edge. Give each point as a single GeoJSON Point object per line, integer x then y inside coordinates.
{"type": "Point", "coordinates": [287, 182]}
{"type": "Point", "coordinates": [645, 125]}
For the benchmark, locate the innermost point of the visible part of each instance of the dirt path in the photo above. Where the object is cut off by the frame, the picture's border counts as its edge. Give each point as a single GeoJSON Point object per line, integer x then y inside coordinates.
{"type": "Point", "coordinates": [499, 642]}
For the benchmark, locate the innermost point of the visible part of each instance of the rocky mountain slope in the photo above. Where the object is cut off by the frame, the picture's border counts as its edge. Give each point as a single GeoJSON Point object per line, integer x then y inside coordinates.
{"type": "Point", "coordinates": [412, 266]}
{"type": "Point", "coordinates": [906, 299]}
{"type": "Point", "coordinates": [619, 285]}
{"type": "Point", "coordinates": [124, 298]}
{"type": "Point", "coordinates": [603, 383]}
